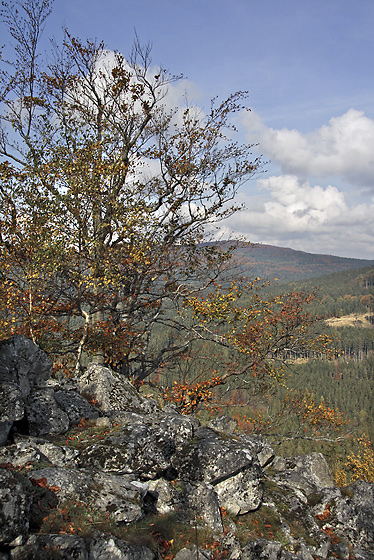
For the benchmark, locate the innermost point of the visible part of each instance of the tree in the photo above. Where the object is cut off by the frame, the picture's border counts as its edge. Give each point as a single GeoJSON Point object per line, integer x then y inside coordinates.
{"type": "Point", "coordinates": [252, 339]}
{"type": "Point", "coordinates": [108, 203]}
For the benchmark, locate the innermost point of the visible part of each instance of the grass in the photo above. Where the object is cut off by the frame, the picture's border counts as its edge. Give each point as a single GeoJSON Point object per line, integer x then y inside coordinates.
{"type": "Point", "coordinates": [85, 433]}
{"type": "Point", "coordinates": [163, 534]}
{"type": "Point", "coordinates": [352, 320]}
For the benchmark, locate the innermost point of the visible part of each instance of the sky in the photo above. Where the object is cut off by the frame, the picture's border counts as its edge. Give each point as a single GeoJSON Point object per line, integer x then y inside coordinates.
{"type": "Point", "coordinates": [307, 67]}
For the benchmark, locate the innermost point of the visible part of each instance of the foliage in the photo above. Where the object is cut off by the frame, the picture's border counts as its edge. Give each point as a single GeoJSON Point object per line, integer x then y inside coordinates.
{"type": "Point", "coordinates": [359, 464]}
{"type": "Point", "coordinates": [108, 200]}
{"type": "Point", "coordinates": [299, 416]}
{"type": "Point", "coordinates": [188, 396]}
{"type": "Point", "coordinates": [107, 195]}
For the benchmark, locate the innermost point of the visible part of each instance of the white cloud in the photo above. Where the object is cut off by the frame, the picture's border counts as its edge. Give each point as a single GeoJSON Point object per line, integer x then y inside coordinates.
{"type": "Point", "coordinates": [293, 213]}
{"type": "Point", "coordinates": [344, 147]}
{"type": "Point", "coordinates": [300, 206]}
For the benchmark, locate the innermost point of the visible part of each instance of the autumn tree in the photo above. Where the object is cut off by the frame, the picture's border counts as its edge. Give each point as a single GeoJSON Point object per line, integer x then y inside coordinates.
{"type": "Point", "coordinates": [109, 197]}
{"type": "Point", "coordinates": [106, 193]}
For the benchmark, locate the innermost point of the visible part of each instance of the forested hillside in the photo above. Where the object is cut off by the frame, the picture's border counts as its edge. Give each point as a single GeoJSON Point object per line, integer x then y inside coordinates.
{"type": "Point", "coordinates": [288, 265]}
{"type": "Point", "coordinates": [343, 381]}
{"type": "Point", "coordinates": [347, 381]}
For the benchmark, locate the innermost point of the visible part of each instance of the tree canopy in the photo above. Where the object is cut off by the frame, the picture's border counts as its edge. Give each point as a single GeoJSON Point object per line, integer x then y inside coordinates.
{"type": "Point", "coordinates": [109, 200]}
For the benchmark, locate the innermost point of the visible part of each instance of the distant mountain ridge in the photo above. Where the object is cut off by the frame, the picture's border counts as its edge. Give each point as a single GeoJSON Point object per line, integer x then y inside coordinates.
{"type": "Point", "coordinates": [288, 265]}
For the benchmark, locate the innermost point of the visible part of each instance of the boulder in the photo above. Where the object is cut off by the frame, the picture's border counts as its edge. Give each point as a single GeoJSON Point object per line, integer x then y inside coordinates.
{"type": "Point", "coordinates": [112, 391]}
{"type": "Point", "coordinates": [106, 547]}
{"type": "Point", "coordinates": [21, 454]}
{"type": "Point", "coordinates": [23, 366]}
{"type": "Point", "coordinates": [310, 471]}
{"type": "Point", "coordinates": [223, 424]}
{"type": "Point", "coordinates": [45, 547]}
{"type": "Point", "coordinates": [75, 406]}
{"type": "Point", "coordinates": [142, 444]}
{"type": "Point", "coordinates": [15, 506]}
{"type": "Point", "coordinates": [123, 497]}
{"type": "Point", "coordinates": [23, 363]}
{"type": "Point", "coordinates": [43, 414]}
{"type": "Point", "coordinates": [227, 464]}
{"type": "Point", "coordinates": [354, 514]}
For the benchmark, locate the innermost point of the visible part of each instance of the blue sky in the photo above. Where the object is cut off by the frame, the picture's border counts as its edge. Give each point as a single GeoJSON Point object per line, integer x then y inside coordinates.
{"type": "Point", "coordinates": [307, 65]}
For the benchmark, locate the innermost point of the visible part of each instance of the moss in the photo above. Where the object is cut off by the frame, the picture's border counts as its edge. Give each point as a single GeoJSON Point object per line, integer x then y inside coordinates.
{"type": "Point", "coordinates": [314, 499]}
{"type": "Point", "coordinates": [85, 434]}
{"type": "Point", "coordinates": [264, 522]}
{"type": "Point", "coordinates": [347, 492]}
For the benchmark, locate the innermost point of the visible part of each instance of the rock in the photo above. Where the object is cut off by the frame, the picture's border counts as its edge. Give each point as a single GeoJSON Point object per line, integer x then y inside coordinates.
{"type": "Point", "coordinates": [45, 547]}
{"type": "Point", "coordinates": [120, 496]}
{"type": "Point", "coordinates": [355, 516]}
{"type": "Point", "coordinates": [75, 406]}
{"type": "Point", "coordinates": [227, 464]}
{"type": "Point", "coordinates": [23, 366]}
{"type": "Point", "coordinates": [192, 554]}
{"type": "Point", "coordinates": [132, 460]}
{"type": "Point", "coordinates": [259, 549]}
{"type": "Point", "coordinates": [204, 502]}
{"type": "Point", "coordinates": [15, 506]}
{"type": "Point", "coordinates": [112, 391]}
{"type": "Point", "coordinates": [23, 363]}
{"type": "Point", "coordinates": [126, 500]}
{"type": "Point", "coordinates": [167, 496]}
{"type": "Point", "coordinates": [11, 403]}
{"type": "Point", "coordinates": [5, 428]}
{"type": "Point", "coordinates": [110, 548]}
{"type": "Point", "coordinates": [259, 446]}
{"type": "Point", "coordinates": [43, 414]}
{"type": "Point", "coordinates": [58, 455]}
{"type": "Point", "coordinates": [21, 454]}
{"type": "Point", "coordinates": [143, 445]}
{"type": "Point", "coordinates": [312, 468]}
{"type": "Point", "coordinates": [223, 424]}
{"type": "Point", "coordinates": [241, 492]}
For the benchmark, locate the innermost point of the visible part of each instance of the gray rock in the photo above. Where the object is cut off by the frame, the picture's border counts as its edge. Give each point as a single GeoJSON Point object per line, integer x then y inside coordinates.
{"type": "Point", "coordinates": [261, 549]}
{"type": "Point", "coordinates": [204, 502]}
{"type": "Point", "coordinates": [120, 496]}
{"type": "Point", "coordinates": [226, 463]}
{"type": "Point", "coordinates": [72, 483]}
{"type": "Point", "coordinates": [106, 547]}
{"type": "Point", "coordinates": [21, 454]}
{"type": "Point", "coordinates": [143, 445]}
{"type": "Point", "coordinates": [192, 554]}
{"type": "Point", "coordinates": [112, 391]}
{"type": "Point", "coordinates": [23, 366]}
{"type": "Point", "coordinates": [11, 403]}
{"type": "Point", "coordinates": [5, 429]}
{"type": "Point", "coordinates": [44, 416]}
{"type": "Point", "coordinates": [241, 492]}
{"type": "Point", "coordinates": [312, 468]}
{"type": "Point", "coordinates": [15, 506]}
{"type": "Point", "coordinates": [355, 515]}
{"type": "Point", "coordinates": [75, 406]}
{"type": "Point", "coordinates": [261, 447]}
{"type": "Point", "coordinates": [167, 495]}
{"type": "Point", "coordinates": [223, 424]}
{"type": "Point", "coordinates": [58, 455]}
{"type": "Point", "coordinates": [45, 547]}
{"type": "Point", "coordinates": [23, 363]}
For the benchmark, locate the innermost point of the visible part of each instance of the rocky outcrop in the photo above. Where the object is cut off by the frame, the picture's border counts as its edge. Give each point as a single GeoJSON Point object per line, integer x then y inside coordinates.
{"type": "Point", "coordinates": [93, 470]}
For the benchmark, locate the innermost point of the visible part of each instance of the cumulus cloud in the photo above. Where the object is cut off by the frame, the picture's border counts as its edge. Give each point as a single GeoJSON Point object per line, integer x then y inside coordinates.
{"type": "Point", "coordinates": [299, 205]}
{"type": "Point", "coordinates": [293, 213]}
{"type": "Point", "coordinates": [344, 147]}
